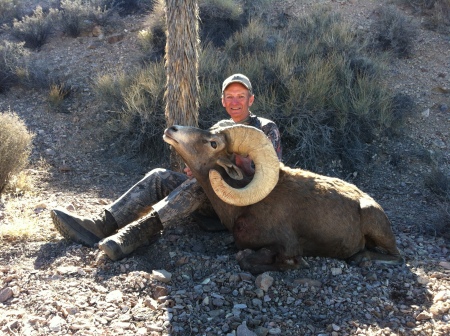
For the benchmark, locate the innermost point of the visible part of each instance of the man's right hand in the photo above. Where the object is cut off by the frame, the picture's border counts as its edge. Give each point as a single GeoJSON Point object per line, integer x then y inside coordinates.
{"type": "Point", "coordinates": [188, 172]}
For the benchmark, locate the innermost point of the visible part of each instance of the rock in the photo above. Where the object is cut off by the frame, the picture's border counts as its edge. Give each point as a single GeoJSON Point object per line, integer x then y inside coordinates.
{"type": "Point", "coordinates": [162, 275]}
{"type": "Point", "coordinates": [5, 294]}
{"type": "Point", "coordinates": [160, 291]}
{"type": "Point", "coordinates": [151, 303]}
{"type": "Point", "coordinates": [336, 270]}
{"type": "Point", "coordinates": [264, 281]}
{"type": "Point", "coordinates": [97, 32]}
{"type": "Point", "coordinates": [243, 330]}
{"type": "Point", "coordinates": [424, 315]}
{"type": "Point", "coordinates": [442, 296]}
{"type": "Point", "coordinates": [115, 38]}
{"type": "Point", "coordinates": [445, 264]}
{"type": "Point", "coordinates": [309, 282]}
{"type": "Point", "coordinates": [56, 323]}
{"type": "Point", "coordinates": [440, 308]}
{"type": "Point", "coordinates": [114, 296]}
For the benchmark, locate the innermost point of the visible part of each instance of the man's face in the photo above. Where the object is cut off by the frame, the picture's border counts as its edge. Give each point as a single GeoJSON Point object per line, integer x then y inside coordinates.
{"type": "Point", "coordinates": [237, 99]}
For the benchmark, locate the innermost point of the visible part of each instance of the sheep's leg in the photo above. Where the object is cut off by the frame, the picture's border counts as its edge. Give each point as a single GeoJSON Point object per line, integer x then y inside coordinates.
{"type": "Point", "coordinates": [380, 244]}
{"type": "Point", "coordinates": [265, 260]}
{"type": "Point", "coordinates": [378, 257]}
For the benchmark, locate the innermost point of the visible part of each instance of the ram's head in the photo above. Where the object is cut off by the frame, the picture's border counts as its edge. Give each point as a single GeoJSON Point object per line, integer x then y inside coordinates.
{"type": "Point", "coordinates": [204, 150]}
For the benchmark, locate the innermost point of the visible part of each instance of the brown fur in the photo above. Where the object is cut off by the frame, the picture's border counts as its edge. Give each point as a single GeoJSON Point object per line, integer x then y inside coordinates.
{"type": "Point", "coordinates": [306, 214]}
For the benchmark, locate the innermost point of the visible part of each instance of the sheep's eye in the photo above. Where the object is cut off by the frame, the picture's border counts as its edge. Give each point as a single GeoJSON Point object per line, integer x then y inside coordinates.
{"type": "Point", "coordinates": [214, 144]}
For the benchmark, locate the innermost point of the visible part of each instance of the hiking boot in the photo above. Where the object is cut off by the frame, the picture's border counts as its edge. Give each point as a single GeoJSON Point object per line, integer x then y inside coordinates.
{"type": "Point", "coordinates": [87, 231]}
{"type": "Point", "coordinates": [132, 236]}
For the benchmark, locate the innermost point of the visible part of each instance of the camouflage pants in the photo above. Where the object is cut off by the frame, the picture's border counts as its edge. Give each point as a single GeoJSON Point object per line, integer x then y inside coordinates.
{"type": "Point", "coordinates": [172, 195]}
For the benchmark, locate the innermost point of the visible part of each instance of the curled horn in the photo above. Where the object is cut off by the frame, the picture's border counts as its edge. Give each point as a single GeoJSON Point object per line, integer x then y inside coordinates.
{"type": "Point", "coordinates": [247, 140]}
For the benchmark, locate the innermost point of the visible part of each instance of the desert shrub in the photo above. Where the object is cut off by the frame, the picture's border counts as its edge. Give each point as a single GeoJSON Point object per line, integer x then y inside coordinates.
{"type": "Point", "coordinates": [12, 64]}
{"type": "Point", "coordinates": [10, 10]}
{"type": "Point", "coordinates": [58, 92]}
{"type": "Point", "coordinates": [394, 31]}
{"type": "Point", "coordinates": [109, 88]}
{"type": "Point", "coordinates": [15, 146]}
{"type": "Point", "coordinates": [137, 109]}
{"type": "Point", "coordinates": [126, 7]}
{"type": "Point", "coordinates": [219, 20]}
{"type": "Point", "coordinates": [439, 183]}
{"type": "Point", "coordinates": [435, 13]}
{"type": "Point", "coordinates": [275, 14]}
{"type": "Point", "coordinates": [79, 15]}
{"type": "Point", "coordinates": [34, 29]}
{"type": "Point", "coordinates": [152, 40]}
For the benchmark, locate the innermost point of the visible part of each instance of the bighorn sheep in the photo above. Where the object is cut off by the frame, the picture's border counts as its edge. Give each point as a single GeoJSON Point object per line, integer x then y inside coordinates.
{"type": "Point", "coordinates": [282, 213]}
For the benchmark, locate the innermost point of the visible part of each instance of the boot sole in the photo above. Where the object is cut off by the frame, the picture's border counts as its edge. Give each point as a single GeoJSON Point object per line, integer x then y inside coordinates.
{"type": "Point", "coordinates": [71, 230]}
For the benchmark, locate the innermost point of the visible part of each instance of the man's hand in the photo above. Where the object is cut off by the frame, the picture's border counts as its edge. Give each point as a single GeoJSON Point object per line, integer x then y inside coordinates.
{"type": "Point", "coordinates": [188, 172]}
{"type": "Point", "coordinates": [245, 163]}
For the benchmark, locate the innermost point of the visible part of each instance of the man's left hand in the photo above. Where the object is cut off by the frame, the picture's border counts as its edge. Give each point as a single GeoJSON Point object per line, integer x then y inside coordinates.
{"type": "Point", "coordinates": [245, 163]}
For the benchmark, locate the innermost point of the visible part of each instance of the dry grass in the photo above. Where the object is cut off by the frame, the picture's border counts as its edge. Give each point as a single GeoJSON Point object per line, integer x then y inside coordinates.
{"type": "Point", "coordinates": [56, 96]}
{"type": "Point", "coordinates": [23, 211]}
{"type": "Point", "coordinates": [15, 146]}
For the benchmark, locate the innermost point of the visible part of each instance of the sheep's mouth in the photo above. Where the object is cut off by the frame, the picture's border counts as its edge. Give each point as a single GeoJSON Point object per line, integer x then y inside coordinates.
{"type": "Point", "coordinates": [168, 138]}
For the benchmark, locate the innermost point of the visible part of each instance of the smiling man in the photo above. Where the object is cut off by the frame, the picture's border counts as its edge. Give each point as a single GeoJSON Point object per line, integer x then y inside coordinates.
{"type": "Point", "coordinates": [163, 195]}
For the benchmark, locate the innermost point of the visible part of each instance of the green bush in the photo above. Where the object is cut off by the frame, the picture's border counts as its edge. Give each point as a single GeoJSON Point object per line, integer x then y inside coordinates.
{"type": "Point", "coordinates": [219, 20]}
{"type": "Point", "coordinates": [15, 146]}
{"type": "Point", "coordinates": [35, 29]}
{"type": "Point", "coordinates": [126, 7]}
{"type": "Point", "coordinates": [394, 31]}
{"type": "Point", "coordinates": [136, 104]}
{"type": "Point", "coordinates": [79, 15]}
{"type": "Point", "coordinates": [12, 64]}
{"type": "Point", "coordinates": [152, 40]}
{"type": "Point", "coordinates": [435, 13]}
{"type": "Point", "coordinates": [10, 10]}
{"type": "Point", "coordinates": [439, 183]}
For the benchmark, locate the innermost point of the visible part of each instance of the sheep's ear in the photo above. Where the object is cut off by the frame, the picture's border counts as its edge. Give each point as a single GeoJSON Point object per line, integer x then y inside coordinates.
{"type": "Point", "coordinates": [232, 170]}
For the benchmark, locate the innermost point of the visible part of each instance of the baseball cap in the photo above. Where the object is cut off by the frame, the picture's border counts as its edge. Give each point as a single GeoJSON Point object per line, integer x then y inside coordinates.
{"type": "Point", "coordinates": [237, 78]}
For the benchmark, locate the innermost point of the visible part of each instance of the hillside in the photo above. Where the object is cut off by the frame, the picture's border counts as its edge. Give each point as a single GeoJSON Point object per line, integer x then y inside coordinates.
{"type": "Point", "coordinates": [52, 286]}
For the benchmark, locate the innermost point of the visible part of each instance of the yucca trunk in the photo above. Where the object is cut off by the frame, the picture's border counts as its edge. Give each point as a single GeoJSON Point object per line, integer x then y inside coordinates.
{"type": "Point", "coordinates": [182, 50]}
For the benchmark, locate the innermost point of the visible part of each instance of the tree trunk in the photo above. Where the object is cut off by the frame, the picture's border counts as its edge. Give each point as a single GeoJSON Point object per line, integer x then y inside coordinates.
{"type": "Point", "coordinates": [182, 52]}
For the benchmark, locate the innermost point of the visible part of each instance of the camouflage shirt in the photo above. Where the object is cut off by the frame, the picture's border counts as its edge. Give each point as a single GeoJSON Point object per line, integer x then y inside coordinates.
{"type": "Point", "coordinates": [267, 126]}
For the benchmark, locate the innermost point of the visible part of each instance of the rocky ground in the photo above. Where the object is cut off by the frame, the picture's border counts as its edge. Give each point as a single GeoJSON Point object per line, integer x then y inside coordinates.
{"type": "Point", "coordinates": [188, 281]}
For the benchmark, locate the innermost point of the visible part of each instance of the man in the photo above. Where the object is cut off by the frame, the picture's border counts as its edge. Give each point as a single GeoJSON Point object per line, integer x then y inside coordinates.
{"type": "Point", "coordinates": [162, 195]}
